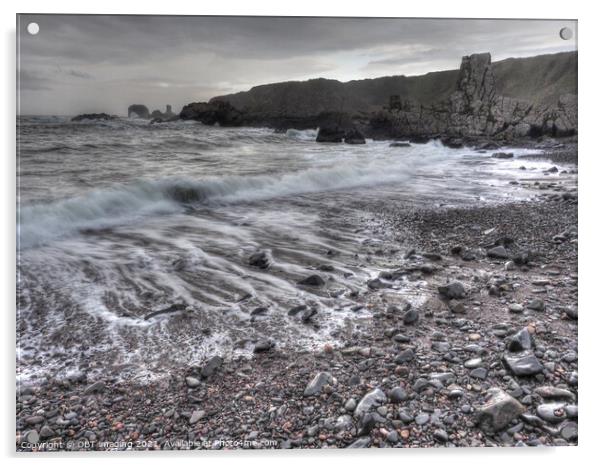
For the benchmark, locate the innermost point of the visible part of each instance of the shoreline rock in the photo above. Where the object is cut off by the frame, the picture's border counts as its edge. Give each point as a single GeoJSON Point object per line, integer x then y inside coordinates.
{"type": "Point", "coordinates": [93, 117]}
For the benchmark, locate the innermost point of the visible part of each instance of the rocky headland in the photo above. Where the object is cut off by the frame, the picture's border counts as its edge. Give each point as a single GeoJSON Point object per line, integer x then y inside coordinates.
{"type": "Point", "coordinates": [513, 101]}
{"type": "Point", "coordinates": [508, 101]}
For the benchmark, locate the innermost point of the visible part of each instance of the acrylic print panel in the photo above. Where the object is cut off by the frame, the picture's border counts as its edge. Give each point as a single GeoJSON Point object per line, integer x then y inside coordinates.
{"type": "Point", "coordinates": [270, 232]}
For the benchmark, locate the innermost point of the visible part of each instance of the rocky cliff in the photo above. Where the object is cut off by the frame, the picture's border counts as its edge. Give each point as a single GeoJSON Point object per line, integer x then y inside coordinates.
{"type": "Point", "coordinates": [507, 99]}
{"type": "Point", "coordinates": [478, 108]}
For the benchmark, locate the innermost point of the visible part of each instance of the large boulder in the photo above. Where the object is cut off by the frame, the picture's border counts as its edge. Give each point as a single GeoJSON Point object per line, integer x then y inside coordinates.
{"type": "Point", "coordinates": [354, 136]}
{"type": "Point", "coordinates": [260, 259]}
{"type": "Point", "coordinates": [312, 280]}
{"type": "Point", "coordinates": [370, 401]}
{"type": "Point", "coordinates": [400, 144]}
{"type": "Point", "coordinates": [454, 290]}
{"type": "Point", "coordinates": [520, 341]}
{"type": "Point", "coordinates": [212, 366]}
{"type": "Point", "coordinates": [330, 134]}
{"type": "Point", "coordinates": [454, 143]}
{"type": "Point", "coordinates": [315, 386]}
{"type": "Point", "coordinates": [498, 411]}
{"type": "Point", "coordinates": [138, 111]}
{"type": "Point", "coordinates": [523, 363]}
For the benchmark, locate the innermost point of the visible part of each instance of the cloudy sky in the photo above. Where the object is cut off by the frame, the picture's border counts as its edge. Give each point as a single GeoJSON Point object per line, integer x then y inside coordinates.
{"type": "Point", "coordinates": [78, 64]}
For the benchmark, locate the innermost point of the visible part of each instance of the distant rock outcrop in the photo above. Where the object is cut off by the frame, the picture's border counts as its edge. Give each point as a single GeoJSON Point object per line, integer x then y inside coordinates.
{"type": "Point", "coordinates": [211, 113]}
{"type": "Point", "coordinates": [138, 111]}
{"type": "Point", "coordinates": [167, 114]}
{"type": "Point", "coordinates": [157, 116]}
{"type": "Point", "coordinates": [93, 116]}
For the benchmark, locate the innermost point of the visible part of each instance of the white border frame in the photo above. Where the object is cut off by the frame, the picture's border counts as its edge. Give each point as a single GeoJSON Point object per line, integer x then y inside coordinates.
{"type": "Point", "coordinates": [589, 235]}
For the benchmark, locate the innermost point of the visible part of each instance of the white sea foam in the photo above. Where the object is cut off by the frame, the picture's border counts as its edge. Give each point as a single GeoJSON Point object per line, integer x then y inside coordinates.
{"type": "Point", "coordinates": [302, 135]}
{"type": "Point", "coordinates": [185, 206]}
{"type": "Point", "coordinates": [41, 222]}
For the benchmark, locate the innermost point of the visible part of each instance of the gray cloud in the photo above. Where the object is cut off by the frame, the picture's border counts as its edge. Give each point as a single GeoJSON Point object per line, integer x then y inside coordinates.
{"type": "Point", "coordinates": [29, 81]}
{"type": "Point", "coordinates": [102, 63]}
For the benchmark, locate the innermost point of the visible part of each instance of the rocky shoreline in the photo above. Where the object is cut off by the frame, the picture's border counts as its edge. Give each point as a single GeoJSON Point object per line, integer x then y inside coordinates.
{"type": "Point", "coordinates": [488, 359]}
{"type": "Point", "coordinates": [478, 103]}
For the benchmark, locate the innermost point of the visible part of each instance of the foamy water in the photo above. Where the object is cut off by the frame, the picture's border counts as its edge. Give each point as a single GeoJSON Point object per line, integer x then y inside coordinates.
{"type": "Point", "coordinates": [121, 219]}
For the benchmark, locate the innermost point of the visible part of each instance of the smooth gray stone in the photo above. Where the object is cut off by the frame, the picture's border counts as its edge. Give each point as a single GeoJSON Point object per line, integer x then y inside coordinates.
{"type": "Point", "coordinates": [523, 364]}
{"type": "Point", "coordinates": [498, 410]}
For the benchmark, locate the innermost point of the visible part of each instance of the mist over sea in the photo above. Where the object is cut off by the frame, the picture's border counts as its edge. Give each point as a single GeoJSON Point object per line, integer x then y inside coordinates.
{"type": "Point", "coordinates": [134, 239]}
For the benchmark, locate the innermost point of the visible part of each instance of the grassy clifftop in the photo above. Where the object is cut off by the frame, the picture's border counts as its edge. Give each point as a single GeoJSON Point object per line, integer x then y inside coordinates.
{"type": "Point", "coordinates": [539, 79]}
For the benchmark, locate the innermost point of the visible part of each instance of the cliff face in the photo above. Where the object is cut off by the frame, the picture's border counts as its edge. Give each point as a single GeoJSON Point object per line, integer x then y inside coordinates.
{"type": "Point", "coordinates": [296, 100]}
{"type": "Point", "coordinates": [508, 99]}
{"type": "Point", "coordinates": [477, 108]}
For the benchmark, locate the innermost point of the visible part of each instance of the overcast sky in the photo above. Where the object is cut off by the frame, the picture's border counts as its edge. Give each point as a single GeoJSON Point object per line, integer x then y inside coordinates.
{"type": "Point", "coordinates": [78, 64]}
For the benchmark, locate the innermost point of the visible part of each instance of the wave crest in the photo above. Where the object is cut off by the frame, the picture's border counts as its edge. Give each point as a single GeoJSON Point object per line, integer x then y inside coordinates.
{"type": "Point", "coordinates": [38, 223]}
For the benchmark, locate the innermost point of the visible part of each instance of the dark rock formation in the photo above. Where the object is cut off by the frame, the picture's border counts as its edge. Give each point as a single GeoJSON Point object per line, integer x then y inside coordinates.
{"type": "Point", "coordinates": [513, 98]}
{"type": "Point", "coordinates": [330, 134]}
{"type": "Point", "coordinates": [164, 120]}
{"type": "Point", "coordinates": [260, 259]}
{"type": "Point", "coordinates": [215, 112]}
{"type": "Point", "coordinates": [476, 109]}
{"type": "Point", "coordinates": [498, 410]}
{"type": "Point", "coordinates": [138, 111]}
{"type": "Point", "coordinates": [503, 155]}
{"type": "Point", "coordinates": [354, 136]}
{"type": "Point", "coordinates": [454, 143]}
{"type": "Point", "coordinates": [157, 116]}
{"type": "Point", "coordinates": [419, 139]}
{"type": "Point", "coordinates": [93, 116]}
{"type": "Point", "coordinates": [395, 102]}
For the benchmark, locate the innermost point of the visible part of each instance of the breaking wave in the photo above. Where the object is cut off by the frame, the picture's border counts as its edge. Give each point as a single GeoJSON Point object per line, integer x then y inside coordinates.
{"type": "Point", "coordinates": [302, 135]}
{"type": "Point", "coordinates": [42, 222]}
